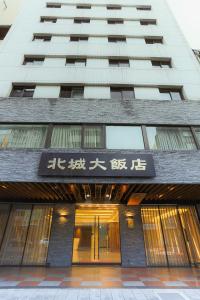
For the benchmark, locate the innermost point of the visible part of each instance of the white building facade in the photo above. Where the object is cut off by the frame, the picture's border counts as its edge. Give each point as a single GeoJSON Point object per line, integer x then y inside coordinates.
{"type": "Point", "coordinates": [107, 80]}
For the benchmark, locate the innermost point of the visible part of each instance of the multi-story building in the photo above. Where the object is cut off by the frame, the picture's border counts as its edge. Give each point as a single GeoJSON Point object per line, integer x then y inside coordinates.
{"type": "Point", "coordinates": [99, 136]}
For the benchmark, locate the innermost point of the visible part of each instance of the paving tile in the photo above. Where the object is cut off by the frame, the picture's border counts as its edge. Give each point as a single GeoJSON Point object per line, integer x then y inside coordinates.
{"type": "Point", "coordinates": [175, 283]}
{"type": "Point", "coordinates": [49, 283]}
{"type": "Point", "coordinates": [9, 283]}
{"type": "Point", "coordinates": [132, 283]}
{"type": "Point", "coordinates": [91, 283]}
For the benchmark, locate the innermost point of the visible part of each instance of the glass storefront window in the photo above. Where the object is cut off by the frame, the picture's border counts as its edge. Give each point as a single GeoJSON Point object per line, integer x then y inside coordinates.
{"type": "Point", "coordinates": [170, 138]}
{"type": "Point", "coordinates": [22, 136]}
{"type": "Point", "coordinates": [124, 137]}
{"type": "Point", "coordinates": [171, 235]}
{"type": "Point", "coordinates": [26, 237]}
{"type": "Point", "coordinates": [38, 235]}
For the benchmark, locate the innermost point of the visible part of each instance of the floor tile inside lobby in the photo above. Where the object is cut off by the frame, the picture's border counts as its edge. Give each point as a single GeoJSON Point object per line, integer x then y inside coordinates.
{"type": "Point", "coordinates": [99, 277]}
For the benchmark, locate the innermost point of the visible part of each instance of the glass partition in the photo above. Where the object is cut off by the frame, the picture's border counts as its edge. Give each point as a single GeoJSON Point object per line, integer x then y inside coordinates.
{"type": "Point", "coordinates": [15, 236]}
{"type": "Point", "coordinates": [38, 235]}
{"type": "Point", "coordinates": [171, 235]}
{"type": "Point", "coordinates": [170, 138]}
{"type": "Point", "coordinates": [26, 235]}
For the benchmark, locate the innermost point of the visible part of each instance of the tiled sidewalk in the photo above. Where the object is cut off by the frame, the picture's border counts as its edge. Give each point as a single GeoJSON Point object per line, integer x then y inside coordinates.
{"type": "Point", "coordinates": [99, 277]}
{"type": "Point", "coordinates": [99, 294]}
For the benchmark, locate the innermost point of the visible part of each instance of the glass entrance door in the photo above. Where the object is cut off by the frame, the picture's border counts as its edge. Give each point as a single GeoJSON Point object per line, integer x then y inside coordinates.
{"type": "Point", "coordinates": [96, 237]}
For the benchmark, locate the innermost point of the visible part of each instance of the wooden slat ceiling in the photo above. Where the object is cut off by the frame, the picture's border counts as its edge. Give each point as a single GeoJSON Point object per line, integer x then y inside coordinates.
{"type": "Point", "coordinates": [97, 193]}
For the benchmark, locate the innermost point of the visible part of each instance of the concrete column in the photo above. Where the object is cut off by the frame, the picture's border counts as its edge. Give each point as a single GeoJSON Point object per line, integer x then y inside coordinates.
{"type": "Point", "coordinates": [61, 239]}
{"type": "Point", "coordinates": [132, 241]}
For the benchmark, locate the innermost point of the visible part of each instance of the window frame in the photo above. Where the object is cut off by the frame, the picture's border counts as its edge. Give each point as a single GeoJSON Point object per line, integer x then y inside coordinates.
{"type": "Point", "coordinates": [71, 91]}
{"type": "Point", "coordinates": [119, 62]}
{"type": "Point", "coordinates": [23, 90]}
{"type": "Point", "coordinates": [34, 58]}
{"type": "Point", "coordinates": [43, 38]}
{"type": "Point", "coordinates": [169, 91]}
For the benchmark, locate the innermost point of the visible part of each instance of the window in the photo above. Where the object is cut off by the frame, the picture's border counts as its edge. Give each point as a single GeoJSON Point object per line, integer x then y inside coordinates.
{"type": "Point", "coordinates": [3, 31]}
{"type": "Point", "coordinates": [153, 40]}
{"type": "Point", "coordinates": [76, 62]}
{"type": "Point", "coordinates": [48, 20]}
{"type": "Point", "coordinates": [119, 63]}
{"type": "Point", "coordinates": [44, 38]}
{"type": "Point", "coordinates": [119, 39]}
{"type": "Point", "coordinates": [22, 91]}
{"type": "Point", "coordinates": [33, 61]}
{"type": "Point", "coordinates": [115, 21]}
{"type": "Point", "coordinates": [161, 63]}
{"type": "Point", "coordinates": [171, 94]}
{"type": "Point", "coordinates": [122, 93]}
{"type": "Point", "coordinates": [80, 21]}
{"type": "Point", "coordinates": [114, 7]}
{"type": "Point", "coordinates": [124, 137]}
{"type": "Point", "coordinates": [22, 136]}
{"type": "Point", "coordinates": [84, 6]}
{"type": "Point", "coordinates": [78, 38]}
{"type": "Point", "coordinates": [143, 7]}
{"type": "Point", "coordinates": [53, 5]}
{"type": "Point", "coordinates": [170, 138]}
{"type": "Point", "coordinates": [148, 22]}
{"type": "Point", "coordinates": [197, 133]}
{"type": "Point", "coordinates": [76, 136]}
{"type": "Point", "coordinates": [72, 92]}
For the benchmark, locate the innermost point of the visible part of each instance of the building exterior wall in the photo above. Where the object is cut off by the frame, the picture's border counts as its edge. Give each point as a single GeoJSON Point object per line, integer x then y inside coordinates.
{"type": "Point", "coordinates": [132, 242]}
{"type": "Point", "coordinates": [8, 11]}
{"type": "Point", "coordinates": [61, 238]}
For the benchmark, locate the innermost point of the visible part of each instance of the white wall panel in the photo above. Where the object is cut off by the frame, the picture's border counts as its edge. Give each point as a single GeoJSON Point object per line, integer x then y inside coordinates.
{"type": "Point", "coordinates": [97, 92]}
{"type": "Point", "coordinates": [46, 92]}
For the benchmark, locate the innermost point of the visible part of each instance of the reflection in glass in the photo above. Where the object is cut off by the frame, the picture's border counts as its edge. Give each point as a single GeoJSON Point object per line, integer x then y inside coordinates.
{"type": "Point", "coordinates": [15, 236]}
{"type": "Point", "coordinates": [154, 242]}
{"type": "Point", "coordinates": [66, 137]}
{"type": "Point", "coordinates": [38, 235]}
{"type": "Point", "coordinates": [4, 213]}
{"type": "Point", "coordinates": [96, 237]}
{"type": "Point", "coordinates": [174, 240]}
{"type": "Point", "coordinates": [93, 137]}
{"type": "Point", "coordinates": [172, 235]}
{"type": "Point", "coordinates": [124, 137]}
{"type": "Point", "coordinates": [26, 136]}
{"type": "Point", "coordinates": [170, 138]}
{"type": "Point", "coordinates": [191, 229]}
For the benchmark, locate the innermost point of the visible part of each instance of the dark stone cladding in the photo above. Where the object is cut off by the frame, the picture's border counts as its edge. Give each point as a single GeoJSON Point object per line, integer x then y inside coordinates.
{"type": "Point", "coordinates": [171, 167]}
{"type": "Point", "coordinates": [132, 241]}
{"type": "Point", "coordinates": [99, 111]}
{"type": "Point", "coordinates": [61, 238]}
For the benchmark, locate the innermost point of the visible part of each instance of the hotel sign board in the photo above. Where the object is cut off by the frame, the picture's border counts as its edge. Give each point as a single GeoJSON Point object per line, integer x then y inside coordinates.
{"type": "Point", "coordinates": [96, 165]}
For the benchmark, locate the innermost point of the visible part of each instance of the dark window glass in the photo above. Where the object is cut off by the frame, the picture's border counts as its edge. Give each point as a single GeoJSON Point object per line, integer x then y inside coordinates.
{"type": "Point", "coordinates": [115, 21]}
{"type": "Point", "coordinates": [153, 41]}
{"type": "Point", "coordinates": [78, 62]}
{"type": "Point", "coordinates": [80, 21]}
{"type": "Point", "coordinates": [72, 92]}
{"type": "Point", "coordinates": [44, 38]}
{"type": "Point", "coordinates": [148, 22]}
{"type": "Point", "coordinates": [119, 63]}
{"type": "Point", "coordinates": [83, 6]}
{"type": "Point", "coordinates": [161, 64]}
{"type": "Point", "coordinates": [52, 5]}
{"type": "Point", "coordinates": [78, 38]}
{"type": "Point", "coordinates": [36, 61]}
{"type": "Point", "coordinates": [143, 7]}
{"type": "Point", "coordinates": [122, 93]}
{"type": "Point", "coordinates": [22, 91]}
{"type": "Point", "coordinates": [3, 31]}
{"type": "Point", "coordinates": [116, 39]}
{"type": "Point", "coordinates": [48, 20]}
{"type": "Point", "coordinates": [114, 7]}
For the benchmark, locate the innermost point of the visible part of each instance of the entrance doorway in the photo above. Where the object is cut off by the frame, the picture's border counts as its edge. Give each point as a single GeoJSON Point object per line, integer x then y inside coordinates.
{"type": "Point", "coordinates": [96, 236]}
